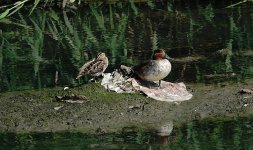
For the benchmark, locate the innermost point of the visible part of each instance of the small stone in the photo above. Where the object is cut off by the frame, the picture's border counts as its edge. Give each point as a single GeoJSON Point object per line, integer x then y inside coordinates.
{"type": "Point", "coordinates": [57, 108]}
{"type": "Point", "coordinates": [131, 107]}
{"type": "Point", "coordinates": [245, 105]}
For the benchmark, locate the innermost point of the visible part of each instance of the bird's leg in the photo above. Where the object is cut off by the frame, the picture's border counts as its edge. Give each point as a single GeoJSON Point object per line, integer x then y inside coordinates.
{"type": "Point", "coordinates": [159, 84]}
{"type": "Point", "coordinates": [95, 79]}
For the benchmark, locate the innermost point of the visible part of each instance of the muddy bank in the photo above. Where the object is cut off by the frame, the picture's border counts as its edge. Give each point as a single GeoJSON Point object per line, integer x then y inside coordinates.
{"type": "Point", "coordinates": [34, 111]}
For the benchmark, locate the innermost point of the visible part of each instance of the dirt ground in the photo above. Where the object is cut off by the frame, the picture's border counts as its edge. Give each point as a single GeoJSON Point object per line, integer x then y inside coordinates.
{"type": "Point", "coordinates": [35, 111]}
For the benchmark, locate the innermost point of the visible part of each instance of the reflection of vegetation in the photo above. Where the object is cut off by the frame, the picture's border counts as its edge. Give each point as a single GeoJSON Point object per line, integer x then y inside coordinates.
{"type": "Point", "coordinates": [214, 134]}
{"type": "Point", "coordinates": [226, 133]}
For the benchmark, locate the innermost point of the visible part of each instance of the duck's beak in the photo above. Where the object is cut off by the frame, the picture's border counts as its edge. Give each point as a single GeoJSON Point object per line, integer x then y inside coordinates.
{"type": "Point", "coordinates": [168, 57]}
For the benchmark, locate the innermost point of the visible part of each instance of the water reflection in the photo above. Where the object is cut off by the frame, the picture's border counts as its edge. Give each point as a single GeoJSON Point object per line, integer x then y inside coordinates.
{"type": "Point", "coordinates": [212, 133]}
{"type": "Point", "coordinates": [163, 132]}
{"type": "Point", "coordinates": [34, 49]}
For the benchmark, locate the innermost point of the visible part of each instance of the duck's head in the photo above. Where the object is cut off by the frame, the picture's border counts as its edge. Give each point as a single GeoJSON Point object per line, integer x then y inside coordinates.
{"type": "Point", "coordinates": [101, 56]}
{"type": "Point", "coordinates": [160, 54]}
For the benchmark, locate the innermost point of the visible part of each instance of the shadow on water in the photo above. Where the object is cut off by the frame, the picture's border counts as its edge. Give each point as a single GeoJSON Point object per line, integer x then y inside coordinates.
{"type": "Point", "coordinates": [213, 133]}
{"type": "Point", "coordinates": [210, 44]}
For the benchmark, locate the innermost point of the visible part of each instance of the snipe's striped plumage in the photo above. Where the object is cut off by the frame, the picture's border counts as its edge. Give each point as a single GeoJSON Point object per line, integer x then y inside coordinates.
{"type": "Point", "coordinates": [155, 69]}
{"type": "Point", "coordinates": [94, 67]}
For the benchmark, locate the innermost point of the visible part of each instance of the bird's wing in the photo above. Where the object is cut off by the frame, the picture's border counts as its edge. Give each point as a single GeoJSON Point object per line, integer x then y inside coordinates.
{"type": "Point", "coordinates": [85, 68]}
{"type": "Point", "coordinates": [141, 67]}
{"type": "Point", "coordinates": [97, 67]}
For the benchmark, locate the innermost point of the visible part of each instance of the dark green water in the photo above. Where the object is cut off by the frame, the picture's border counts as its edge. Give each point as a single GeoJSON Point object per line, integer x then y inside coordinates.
{"type": "Point", "coordinates": [229, 133]}
{"type": "Point", "coordinates": [48, 45]}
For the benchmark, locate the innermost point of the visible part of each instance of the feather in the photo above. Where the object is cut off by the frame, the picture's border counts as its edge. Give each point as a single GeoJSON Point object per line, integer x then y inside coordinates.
{"type": "Point", "coordinates": [94, 67]}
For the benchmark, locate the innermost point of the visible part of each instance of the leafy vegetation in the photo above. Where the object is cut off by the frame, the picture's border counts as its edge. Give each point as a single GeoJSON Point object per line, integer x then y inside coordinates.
{"type": "Point", "coordinates": [15, 6]}
{"type": "Point", "coordinates": [47, 48]}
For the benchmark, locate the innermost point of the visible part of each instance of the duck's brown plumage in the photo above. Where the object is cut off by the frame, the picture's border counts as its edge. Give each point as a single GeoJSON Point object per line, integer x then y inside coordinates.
{"type": "Point", "coordinates": [94, 67]}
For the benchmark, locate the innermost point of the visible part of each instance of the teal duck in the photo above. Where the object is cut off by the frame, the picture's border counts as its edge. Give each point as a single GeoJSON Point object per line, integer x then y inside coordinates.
{"type": "Point", "coordinates": [155, 69]}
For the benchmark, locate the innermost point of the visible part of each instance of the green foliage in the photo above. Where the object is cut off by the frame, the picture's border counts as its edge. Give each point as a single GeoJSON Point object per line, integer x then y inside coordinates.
{"type": "Point", "coordinates": [53, 41]}
{"type": "Point", "coordinates": [134, 8]}
{"type": "Point", "coordinates": [208, 13]}
{"type": "Point", "coordinates": [4, 14]}
{"type": "Point", "coordinates": [239, 3]}
{"type": "Point", "coordinates": [98, 15]}
{"type": "Point", "coordinates": [154, 40]}
{"type": "Point", "coordinates": [151, 4]}
{"type": "Point", "coordinates": [9, 11]}
{"type": "Point", "coordinates": [36, 2]}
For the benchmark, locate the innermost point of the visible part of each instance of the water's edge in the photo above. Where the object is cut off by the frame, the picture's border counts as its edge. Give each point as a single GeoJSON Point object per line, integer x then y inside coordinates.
{"type": "Point", "coordinates": [35, 111]}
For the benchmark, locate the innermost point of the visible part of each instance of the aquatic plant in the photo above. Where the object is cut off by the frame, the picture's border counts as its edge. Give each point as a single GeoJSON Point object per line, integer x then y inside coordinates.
{"type": "Point", "coordinates": [239, 3]}
{"type": "Point", "coordinates": [68, 38]}
{"type": "Point", "coordinates": [13, 8]}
